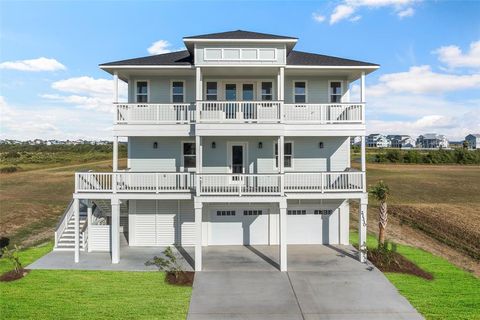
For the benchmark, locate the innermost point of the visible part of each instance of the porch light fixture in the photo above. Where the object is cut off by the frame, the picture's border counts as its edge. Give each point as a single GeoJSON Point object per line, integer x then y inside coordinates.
{"type": "Point", "coordinates": [260, 145]}
{"type": "Point", "coordinates": [155, 145]}
{"type": "Point", "coordinates": [214, 145]}
{"type": "Point", "coordinates": [320, 145]}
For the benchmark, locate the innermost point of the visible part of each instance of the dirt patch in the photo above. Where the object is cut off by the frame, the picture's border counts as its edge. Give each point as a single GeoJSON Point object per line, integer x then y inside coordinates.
{"type": "Point", "coordinates": [184, 278]}
{"type": "Point", "coordinates": [13, 275]}
{"type": "Point", "coordinates": [395, 262]}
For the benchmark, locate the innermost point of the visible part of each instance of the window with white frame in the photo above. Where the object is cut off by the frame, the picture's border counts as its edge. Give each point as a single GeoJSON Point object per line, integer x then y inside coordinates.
{"type": "Point", "coordinates": [188, 154]}
{"type": "Point", "coordinates": [297, 212]}
{"type": "Point", "coordinates": [212, 91]}
{"type": "Point", "coordinates": [267, 91]}
{"type": "Point", "coordinates": [178, 91]}
{"type": "Point", "coordinates": [300, 92]}
{"type": "Point", "coordinates": [226, 212]}
{"type": "Point", "coordinates": [141, 92]}
{"type": "Point", "coordinates": [323, 212]}
{"type": "Point", "coordinates": [335, 91]}
{"type": "Point", "coordinates": [252, 212]}
{"type": "Point", "coordinates": [287, 154]}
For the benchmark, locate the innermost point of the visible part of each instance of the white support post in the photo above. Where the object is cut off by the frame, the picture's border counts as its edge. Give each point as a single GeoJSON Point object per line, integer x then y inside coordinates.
{"type": "Point", "coordinates": [362, 230]}
{"type": "Point", "coordinates": [89, 220]}
{"type": "Point", "coordinates": [281, 91]}
{"type": "Point", "coordinates": [115, 154]}
{"type": "Point", "coordinates": [362, 88]}
{"type": "Point", "coordinates": [198, 92]}
{"type": "Point", "coordinates": [115, 95]}
{"type": "Point", "coordinates": [198, 235]}
{"type": "Point", "coordinates": [364, 164]}
{"type": "Point", "coordinates": [76, 208]}
{"type": "Point", "coordinates": [198, 154]}
{"type": "Point", "coordinates": [115, 230]}
{"type": "Point", "coordinates": [281, 154]}
{"type": "Point", "coordinates": [283, 234]}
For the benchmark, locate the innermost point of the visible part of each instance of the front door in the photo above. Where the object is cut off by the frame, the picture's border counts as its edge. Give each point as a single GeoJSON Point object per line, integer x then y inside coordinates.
{"type": "Point", "coordinates": [237, 163]}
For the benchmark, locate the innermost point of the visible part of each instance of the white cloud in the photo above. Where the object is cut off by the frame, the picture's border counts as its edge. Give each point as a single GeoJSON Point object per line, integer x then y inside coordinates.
{"type": "Point", "coordinates": [39, 64]}
{"type": "Point", "coordinates": [341, 12]}
{"type": "Point", "coordinates": [159, 47]}
{"type": "Point", "coordinates": [346, 9]}
{"type": "Point", "coordinates": [453, 56]}
{"type": "Point", "coordinates": [421, 80]}
{"type": "Point", "coordinates": [318, 17]}
{"type": "Point", "coordinates": [406, 13]}
{"type": "Point", "coordinates": [88, 93]}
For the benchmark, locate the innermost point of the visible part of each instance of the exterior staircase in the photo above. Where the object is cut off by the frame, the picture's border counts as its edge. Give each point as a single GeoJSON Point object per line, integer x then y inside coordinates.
{"type": "Point", "coordinates": [66, 240]}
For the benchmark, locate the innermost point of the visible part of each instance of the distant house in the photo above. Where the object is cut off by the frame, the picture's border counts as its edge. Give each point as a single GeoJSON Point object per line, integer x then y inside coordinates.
{"type": "Point", "coordinates": [473, 141]}
{"type": "Point", "coordinates": [402, 141]}
{"type": "Point", "coordinates": [355, 141]}
{"type": "Point", "coordinates": [377, 140]}
{"type": "Point", "coordinates": [432, 141]}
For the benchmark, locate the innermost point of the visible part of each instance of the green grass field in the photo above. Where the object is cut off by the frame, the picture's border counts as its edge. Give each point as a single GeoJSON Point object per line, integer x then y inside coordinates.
{"type": "Point", "coordinates": [68, 294]}
{"type": "Point", "coordinates": [453, 294]}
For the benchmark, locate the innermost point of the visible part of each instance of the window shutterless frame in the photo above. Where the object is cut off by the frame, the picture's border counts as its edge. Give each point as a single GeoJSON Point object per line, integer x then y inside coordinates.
{"type": "Point", "coordinates": [174, 94]}
{"type": "Point", "coordinates": [275, 155]}
{"type": "Point", "coordinates": [192, 157]}
{"type": "Point", "coordinates": [145, 95]}
{"type": "Point", "coordinates": [332, 94]}
{"type": "Point", "coordinates": [294, 94]}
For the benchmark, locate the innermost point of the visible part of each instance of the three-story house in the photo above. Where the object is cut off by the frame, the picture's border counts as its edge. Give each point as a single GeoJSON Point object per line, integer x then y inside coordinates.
{"type": "Point", "coordinates": [238, 140]}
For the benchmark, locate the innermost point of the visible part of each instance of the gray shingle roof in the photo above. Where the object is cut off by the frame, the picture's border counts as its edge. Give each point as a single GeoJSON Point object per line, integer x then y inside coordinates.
{"type": "Point", "coordinates": [171, 58]}
{"type": "Point", "coordinates": [312, 59]}
{"type": "Point", "coordinates": [182, 58]}
{"type": "Point", "coordinates": [240, 34]}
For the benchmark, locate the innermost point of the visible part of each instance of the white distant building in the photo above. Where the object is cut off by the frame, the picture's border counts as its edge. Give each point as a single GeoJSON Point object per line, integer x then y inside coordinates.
{"type": "Point", "coordinates": [401, 141]}
{"type": "Point", "coordinates": [473, 141]}
{"type": "Point", "coordinates": [377, 140]}
{"type": "Point", "coordinates": [432, 141]}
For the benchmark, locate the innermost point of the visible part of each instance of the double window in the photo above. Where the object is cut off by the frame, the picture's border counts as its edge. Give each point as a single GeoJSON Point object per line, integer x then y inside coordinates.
{"type": "Point", "coordinates": [335, 91]}
{"type": "Point", "coordinates": [178, 91]}
{"type": "Point", "coordinates": [300, 91]}
{"type": "Point", "coordinates": [188, 154]}
{"type": "Point", "coordinates": [287, 154]}
{"type": "Point", "coordinates": [141, 92]}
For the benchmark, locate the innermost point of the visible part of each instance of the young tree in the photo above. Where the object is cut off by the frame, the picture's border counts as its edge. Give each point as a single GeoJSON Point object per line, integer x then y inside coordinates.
{"type": "Point", "coordinates": [380, 192]}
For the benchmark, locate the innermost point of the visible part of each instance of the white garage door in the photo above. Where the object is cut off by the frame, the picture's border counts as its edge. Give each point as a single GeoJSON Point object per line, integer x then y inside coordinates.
{"type": "Point", "coordinates": [162, 223]}
{"type": "Point", "coordinates": [305, 226]}
{"type": "Point", "coordinates": [238, 226]}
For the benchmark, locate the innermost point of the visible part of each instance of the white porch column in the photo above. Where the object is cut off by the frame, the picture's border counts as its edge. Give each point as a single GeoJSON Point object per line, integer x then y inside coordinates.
{"type": "Point", "coordinates": [362, 87]}
{"type": "Point", "coordinates": [115, 87]}
{"type": "Point", "coordinates": [89, 219]}
{"type": "Point", "coordinates": [362, 229]}
{"type": "Point", "coordinates": [115, 154]}
{"type": "Point", "coordinates": [283, 234]}
{"type": "Point", "coordinates": [115, 230]}
{"type": "Point", "coordinates": [198, 235]}
{"type": "Point", "coordinates": [198, 91]}
{"type": "Point", "coordinates": [364, 164]}
{"type": "Point", "coordinates": [281, 154]}
{"type": "Point", "coordinates": [76, 212]}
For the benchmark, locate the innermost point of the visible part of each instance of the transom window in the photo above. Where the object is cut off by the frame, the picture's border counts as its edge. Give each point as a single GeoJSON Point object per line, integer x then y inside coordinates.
{"type": "Point", "coordinates": [323, 212]}
{"type": "Point", "coordinates": [287, 154]}
{"type": "Point", "coordinates": [300, 92]}
{"type": "Point", "coordinates": [212, 91]}
{"type": "Point", "coordinates": [297, 212]}
{"type": "Point", "coordinates": [226, 212]}
{"type": "Point", "coordinates": [141, 93]}
{"type": "Point", "coordinates": [335, 91]}
{"type": "Point", "coordinates": [189, 157]}
{"type": "Point", "coordinates": [252, 212]}
{"type": "Point", "coordinates": [178, 91]}
{"type": "Point", "coordinates": [267, 91]}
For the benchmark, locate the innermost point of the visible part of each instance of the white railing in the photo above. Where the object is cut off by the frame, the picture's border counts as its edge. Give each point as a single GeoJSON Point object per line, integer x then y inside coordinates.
{"type": "Point", "coordinates": [63, 222]}
{"type": "Point", "coordinates": [239, 184]}
{"type": "Point", "coordinates": [239, 111]}
{"type": "Point", "coordinates": [150, 182]}
{"type": "Point", "coordinates": [324, 182]}
{"type": "Point", "coordinates": [324, 113]}
{"type": "Point", "coordinates": [152, 113]}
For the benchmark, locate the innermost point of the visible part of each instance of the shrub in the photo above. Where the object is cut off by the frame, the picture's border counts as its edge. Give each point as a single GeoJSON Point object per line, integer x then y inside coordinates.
{"type": "Point", "coordinates": [12, 256]}
{"type": "Point", "coordinates": [170, 263]}
{"type": "Point", "coordinates": [9, 169]}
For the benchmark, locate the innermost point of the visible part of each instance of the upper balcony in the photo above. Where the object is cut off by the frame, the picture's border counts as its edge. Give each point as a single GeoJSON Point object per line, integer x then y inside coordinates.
{"type": "Point", "coordinates": [217, 117]}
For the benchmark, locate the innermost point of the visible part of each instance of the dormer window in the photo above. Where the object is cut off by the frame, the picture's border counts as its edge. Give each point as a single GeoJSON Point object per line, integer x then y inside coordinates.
{"type": "Point", "coordinates": [142, 92]}
{"type": "Point", "coordinates": [178, 91]}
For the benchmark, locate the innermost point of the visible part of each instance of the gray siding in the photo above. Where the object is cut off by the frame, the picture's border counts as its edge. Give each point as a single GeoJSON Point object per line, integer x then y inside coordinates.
{"type": "Point", "coordinates": [160, 88]}
{"type": "Point", "coordinates": [317, 88]}
{"type": "Point", "coordinates": [167, 157]}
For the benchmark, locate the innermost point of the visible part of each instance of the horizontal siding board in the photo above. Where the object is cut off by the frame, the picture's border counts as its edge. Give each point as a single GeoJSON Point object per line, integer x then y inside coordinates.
{"type": "Point", "coordinates": [99, 238]}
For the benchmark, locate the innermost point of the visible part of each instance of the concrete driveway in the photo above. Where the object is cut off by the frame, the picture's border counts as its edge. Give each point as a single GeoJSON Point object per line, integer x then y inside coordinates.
{"type": "Point", "coordinates": [323, 283]}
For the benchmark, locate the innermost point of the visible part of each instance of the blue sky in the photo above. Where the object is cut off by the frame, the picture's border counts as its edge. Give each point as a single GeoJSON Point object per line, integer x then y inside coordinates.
{"type": "Point", "coordinates": [429, 53]}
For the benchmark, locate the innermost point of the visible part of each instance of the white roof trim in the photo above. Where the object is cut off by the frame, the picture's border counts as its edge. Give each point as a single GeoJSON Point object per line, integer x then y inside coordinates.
{"type": "Point", "coordinates": [289, 66]}
{"type": "Point", "coordinates": [239, 40]}
{"type": "Point", "coordinates": [147, 66]}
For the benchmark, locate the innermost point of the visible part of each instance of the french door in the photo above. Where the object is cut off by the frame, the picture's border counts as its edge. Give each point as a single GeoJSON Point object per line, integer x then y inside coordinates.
{"type": "Point", "coordinates": [239, 92]}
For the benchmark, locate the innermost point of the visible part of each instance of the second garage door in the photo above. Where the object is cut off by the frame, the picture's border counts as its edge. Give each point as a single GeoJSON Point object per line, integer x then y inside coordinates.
{"type": "Point", "coordinates": [238, 226]}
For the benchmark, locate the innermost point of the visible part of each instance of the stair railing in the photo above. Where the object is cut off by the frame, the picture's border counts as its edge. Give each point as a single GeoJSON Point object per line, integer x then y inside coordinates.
{"type": "Point", "coordinates": [84, 233]}
{"type": "Point", "coordinates": [63, 222]}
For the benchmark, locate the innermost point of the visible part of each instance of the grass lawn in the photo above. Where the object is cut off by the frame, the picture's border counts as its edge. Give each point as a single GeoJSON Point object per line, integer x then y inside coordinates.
{"type": "Point", "coordinates": [57, 294]}
{"type": "Point", "coordinates": [453, 294]}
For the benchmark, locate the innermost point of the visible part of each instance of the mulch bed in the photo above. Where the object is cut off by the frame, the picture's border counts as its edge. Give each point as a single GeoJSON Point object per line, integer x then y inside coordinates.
{"type": "Point", "coordinates": [185, 278]}
{"type": "Point", "coordinates": [396, 263]}
{"type": "Point", "coordinates": [12, 275]}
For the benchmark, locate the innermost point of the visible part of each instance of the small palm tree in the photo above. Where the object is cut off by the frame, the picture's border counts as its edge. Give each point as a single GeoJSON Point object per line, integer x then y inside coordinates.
{"type": "Point", "coordinates": [380, 192]}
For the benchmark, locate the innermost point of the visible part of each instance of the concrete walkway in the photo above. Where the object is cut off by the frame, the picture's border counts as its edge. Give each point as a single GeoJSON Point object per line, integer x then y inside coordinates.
{"type": "Point", "coordinates": [323, 283]}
